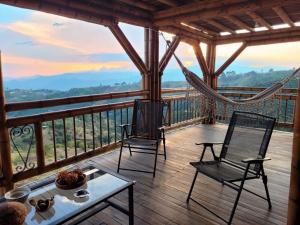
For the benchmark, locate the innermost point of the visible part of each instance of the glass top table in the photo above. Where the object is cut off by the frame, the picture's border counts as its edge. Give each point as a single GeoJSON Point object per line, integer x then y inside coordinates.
{"type": "Point", "coordinates": [100, 185]}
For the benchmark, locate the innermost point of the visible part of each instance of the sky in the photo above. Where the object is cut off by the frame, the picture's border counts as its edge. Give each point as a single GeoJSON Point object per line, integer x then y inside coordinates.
{"type": "Point", "coordinates": [34, 43]}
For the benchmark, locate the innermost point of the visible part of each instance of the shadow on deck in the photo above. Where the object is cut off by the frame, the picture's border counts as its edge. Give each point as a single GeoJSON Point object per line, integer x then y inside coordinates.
{"type": "Point", "coordinates": [162, 200]}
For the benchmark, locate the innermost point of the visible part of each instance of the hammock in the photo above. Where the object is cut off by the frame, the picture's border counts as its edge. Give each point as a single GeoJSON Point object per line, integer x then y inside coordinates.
{"type": "Point", "coordinates": [199, 85]}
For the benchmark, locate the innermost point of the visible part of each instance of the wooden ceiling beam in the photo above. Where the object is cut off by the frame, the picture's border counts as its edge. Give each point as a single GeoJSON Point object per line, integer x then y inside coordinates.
{"type": "Point", "coordinates": [261, 35]}
{"type": "Point", "coordinates": [204, 29]}
{"type": "Point", "coordinates": [194, 31]}
{"type": "Point", "coordinates": [239, 23]}
{"type": "Point", "coordinates": [124, 42]}
{"type": "Point", "coordinates": [191, 7]}
{"type": "Point", "coordinates": [61, 11]}
{"type": "Point", "coordinates": [262, 22]}
{"type": "Point", "coordinates": [140, 4]}
{"type": "Point", "coordinates": [224, 10]}
{"type": "Point", "coordinates": [188, 37]}
{"type": "Point", "coordinates": [169, 2]}
{"type": "Point", "coordinates": [283, 15]}
{"type": "Point", "coordinates": [220, 26]}
{"type": "Point", "coordinates": [79, 10]}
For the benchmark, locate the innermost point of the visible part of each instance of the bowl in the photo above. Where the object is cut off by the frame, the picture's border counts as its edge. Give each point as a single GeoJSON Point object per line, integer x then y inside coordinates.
{"type": "Point", "coordinates": [18, 195]}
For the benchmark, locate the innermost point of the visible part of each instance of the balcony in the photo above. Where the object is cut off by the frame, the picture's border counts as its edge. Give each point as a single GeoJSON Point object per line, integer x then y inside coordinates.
{"type": "Point", "coordinates": [55, 138]}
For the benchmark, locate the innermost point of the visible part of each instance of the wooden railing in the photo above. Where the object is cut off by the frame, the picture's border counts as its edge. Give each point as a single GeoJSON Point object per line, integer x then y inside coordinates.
{"type": "Point", "coordinates": [49, 140]}
{"type": "Point", "coordinates": [44, 141]}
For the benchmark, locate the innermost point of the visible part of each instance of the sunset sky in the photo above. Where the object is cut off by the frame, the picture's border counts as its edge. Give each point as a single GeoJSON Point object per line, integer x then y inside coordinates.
{"type": "Point", "coordinates": [34, 43]}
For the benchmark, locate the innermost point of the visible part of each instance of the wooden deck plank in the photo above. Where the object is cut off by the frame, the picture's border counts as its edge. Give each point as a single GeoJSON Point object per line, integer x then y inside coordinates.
{"type": "Point", "coordinates": [162, 200]}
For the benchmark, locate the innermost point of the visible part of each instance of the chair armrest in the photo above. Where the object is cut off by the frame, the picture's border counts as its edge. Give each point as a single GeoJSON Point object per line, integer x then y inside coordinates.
{"type": "Point", "coordinates": [256, 160]}
{"type": "Point", "coordinates": [125, 125]}
{"type": "Point", "coordinates": [162, 128]}
{"type": "Point", "coordinates": [209, 143]}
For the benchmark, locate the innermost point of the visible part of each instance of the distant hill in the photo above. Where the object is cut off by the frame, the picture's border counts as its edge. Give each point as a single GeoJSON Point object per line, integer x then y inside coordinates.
{"type": "Point", "coordinates": [65, 82]}
{"type": "Point", "coordinates": [255, 79]}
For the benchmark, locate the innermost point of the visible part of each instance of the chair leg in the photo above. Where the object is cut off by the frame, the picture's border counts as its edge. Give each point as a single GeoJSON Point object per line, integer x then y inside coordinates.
{"type": "Point", "coordinates": [120, 156]}
{"type": "Point", "coordinates": [192, 187]}
{"type": "Point", "coordinates": [236, 201]}
{"type": "Point", "coordinates": [155, 161]}
{"type": "Point", "coordinates": [164, 143]}
{"type": "Point", "coordinates": [265, 181]}
{"type": "Point", "coordinates": [129, 149]}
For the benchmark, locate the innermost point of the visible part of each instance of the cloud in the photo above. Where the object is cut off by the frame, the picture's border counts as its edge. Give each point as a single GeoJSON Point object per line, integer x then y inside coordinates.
{"type": "Point", "coordinates": [17, 66]}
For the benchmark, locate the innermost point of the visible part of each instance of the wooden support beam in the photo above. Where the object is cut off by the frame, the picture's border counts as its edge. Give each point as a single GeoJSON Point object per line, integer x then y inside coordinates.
{"type": "Point", "coordinates": [201, 60]}
{"type": "Point", "coordinates": [239, 23]}
{"type": "Point", "coordinates": [191, 30]}
{"type": "Point", "coordinates": [231, 59]}
{"type": "Point", "coordinates": [294, 193]}
{"type": "Point", "coordinates": [204, 29]}
{"type": "Point", "coordinates": [220, 26]}
{"type": "Point", "coordinates": [184, 34]}
{"type": "Point", "coordinates": [222, 10]}
{"type": "Point", "coordinates": [169, 2]}
{"type": "Point", "coordinates": [276, 34]}
{"type": "Point", "coordinates": [168, 54]}
{"type": "Point", "coordinates": [283, 15]}
{"type": "Point", "coordinates": [133, 55]}
{"type": "Point", "coordinates": [5, 152]}
{"type": "Point", "coordinates": [262, 22]}
{"type": "Point", "coordinates": [140, 4]}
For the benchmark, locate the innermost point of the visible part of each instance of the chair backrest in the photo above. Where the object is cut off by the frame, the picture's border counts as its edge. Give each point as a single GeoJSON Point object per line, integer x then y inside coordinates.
{"type": "Point", "coordinates": [147, 116]}
{"type": "Point", "coordinates": [248, 136]}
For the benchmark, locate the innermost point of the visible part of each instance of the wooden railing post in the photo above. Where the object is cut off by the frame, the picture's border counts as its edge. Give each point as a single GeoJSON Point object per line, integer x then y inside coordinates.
{"type": "Point", "coordinates": [170, 112]}
{"type": "Point", "coordinates": [6, 163]}
{"type": "Point", "coordinates": [294, 194]}
{"type": "Point", "coordinates": [40, 156]}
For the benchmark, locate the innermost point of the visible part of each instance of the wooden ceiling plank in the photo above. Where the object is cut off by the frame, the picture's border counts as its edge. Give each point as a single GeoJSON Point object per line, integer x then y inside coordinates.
{"type": "Point", "coordinates": [283, 15]}
{"type": "Point", "coordinates": [191, 7]}
{"type": "Point", "coordinates": [262, 22]}
{"type": "Point", "coordinates": [140, 4]}
{"type": "Point", "coordinates": [239, 23]}
{"type": "Point", "coordinates": [220, 26]}
{"type": "Point", "coordinates": [172, 3]}
{"type": "Point", "coordinates": [225, 10]}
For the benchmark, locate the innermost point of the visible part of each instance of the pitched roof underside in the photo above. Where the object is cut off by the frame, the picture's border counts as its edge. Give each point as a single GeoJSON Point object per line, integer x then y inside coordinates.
{"type": "Point", "coordinates": [219, 21]}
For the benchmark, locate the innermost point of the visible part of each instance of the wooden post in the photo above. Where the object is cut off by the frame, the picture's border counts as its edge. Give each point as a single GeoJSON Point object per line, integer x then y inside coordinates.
{"type": "Point", "coordinates": [294, 194]}
{"type": "Point", "coordinates": [154, 77]}
{"type": "Point", "coordinates": [212, 80]}
{"type": "Point", "coordinates": [39, 145]}
{"type": "Point", "coordinates": [145, 76]}
{"type": "Point", "coordinates": [6, 162]}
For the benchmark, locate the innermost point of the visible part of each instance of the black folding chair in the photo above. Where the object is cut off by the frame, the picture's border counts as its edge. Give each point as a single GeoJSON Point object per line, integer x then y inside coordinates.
{"type": "Point", "coordinates": [146, 131]}
{"type": "Point", "coordinates": [242, 156]}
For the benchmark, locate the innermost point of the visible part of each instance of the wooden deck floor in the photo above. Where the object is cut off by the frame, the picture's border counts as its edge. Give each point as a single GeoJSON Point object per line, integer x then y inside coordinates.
{"type": "Point", "coordinates": [162, 200]}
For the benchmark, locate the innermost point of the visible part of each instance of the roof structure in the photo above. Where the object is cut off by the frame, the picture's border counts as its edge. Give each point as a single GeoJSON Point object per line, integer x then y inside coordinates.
{"type": "Point", "coordinates": [220, 21]}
